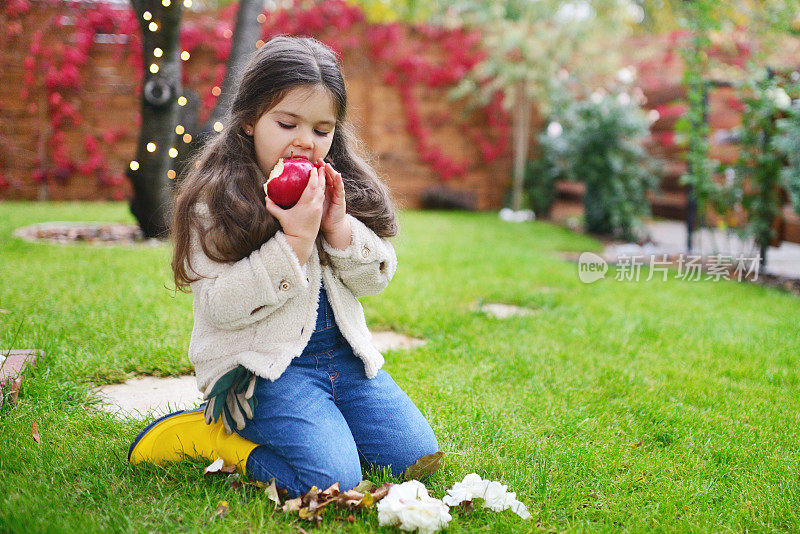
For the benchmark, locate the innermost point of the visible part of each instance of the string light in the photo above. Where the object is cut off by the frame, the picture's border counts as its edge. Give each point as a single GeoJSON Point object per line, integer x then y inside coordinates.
{"type": "Point", "coordinates": [179, 129]}
{"type": "Point", "coordinates": [158, 52]}
{"type": "Point", "coordinates": [165, 3]}
{"type": "Point", "coordinates": [227, 34]}
{"type": "Point", "coordinates": [173, 152]}
{"type": "Point", "coordinates": [181, 100]}
{"type": "Point", "coordinates": [215, 91]}
{"type": "Point", "coordinates": [153, 68]}
{"type": "Point", "coordinates": [262, 18]}
{"type": "Point", "coordinates": [187, 138]}
{"type": "Point", "coordinates": [134, 165]}
{"type": "Point", "coordinates": [218, 126]}
{"type": "Point", "coordinates": [185, 55]}
{"type": "Point", "coordinates": [259, 43]}
{"type": "Point", "coordinates": [153, 26]}
{"type": "Point", "coordinates": [187, 3]}
{"type": "Point", "coordinates": [171, 174]}
{"type": "Point", "coordinates": [147, 15]}
{"type": "Point", "coordinates": [151, 147]}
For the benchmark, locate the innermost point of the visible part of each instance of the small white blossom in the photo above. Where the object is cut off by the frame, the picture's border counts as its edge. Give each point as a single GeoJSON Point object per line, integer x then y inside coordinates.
{"type": "Point", "coordinates": [494, 494]}
{"type": "Point", "coordinates": [779, 96]}
{"type": "Point", "coordinates": [626, 74]}
{"type": "Point", "coordinates": [563, 74]}
{"type": "Point", "coordinates": [596, 97]}
{"type": "Point", "coordinates": [554, 129]}
{"type": "Point", "coordinates": [624, 99]}
{"type": "Point", "coordinates": [409, 507]}
{"type": "Point", "coordinates": [653, 115]}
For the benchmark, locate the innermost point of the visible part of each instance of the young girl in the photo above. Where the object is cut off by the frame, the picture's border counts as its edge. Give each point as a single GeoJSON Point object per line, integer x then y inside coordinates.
{"type": "Point", "coordinates": [280, 345]}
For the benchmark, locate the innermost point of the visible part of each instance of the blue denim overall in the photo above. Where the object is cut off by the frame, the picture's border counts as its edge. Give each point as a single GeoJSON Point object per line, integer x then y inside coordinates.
{"type": "Point", "coordinates": [323, 418]}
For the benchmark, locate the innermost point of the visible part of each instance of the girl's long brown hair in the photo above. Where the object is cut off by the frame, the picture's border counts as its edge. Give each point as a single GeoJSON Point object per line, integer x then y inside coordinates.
{"type": "Point", "coordinates": [225, 176]}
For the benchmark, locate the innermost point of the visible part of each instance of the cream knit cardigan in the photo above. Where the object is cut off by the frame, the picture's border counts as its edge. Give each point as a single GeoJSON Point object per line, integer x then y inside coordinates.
{"type": "Point", "coordinates": [260, 311]}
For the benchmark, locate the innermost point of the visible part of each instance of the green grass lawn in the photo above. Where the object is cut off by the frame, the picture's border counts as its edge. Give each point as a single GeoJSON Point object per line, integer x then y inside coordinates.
{"type": "Point", "coordinates": [649, 406]}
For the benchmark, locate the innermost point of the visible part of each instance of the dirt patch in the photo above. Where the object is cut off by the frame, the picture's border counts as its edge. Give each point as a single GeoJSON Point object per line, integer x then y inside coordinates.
{"type": "Point", "coordinates": [389, 340]}
{"type": "Point", "coordinates": [502, 311]}
{"type": "Point", "coordinates": [66, 233]}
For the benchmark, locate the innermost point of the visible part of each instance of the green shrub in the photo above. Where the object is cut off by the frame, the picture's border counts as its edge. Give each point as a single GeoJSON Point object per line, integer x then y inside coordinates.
{"type": "Point", "coordinates": [599, 141]}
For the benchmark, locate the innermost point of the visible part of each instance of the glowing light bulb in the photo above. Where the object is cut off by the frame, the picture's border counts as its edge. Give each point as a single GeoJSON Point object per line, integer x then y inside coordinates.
{"type": "Point", "coordinates": [153, 68]}
{"type": "Point", "coordinates": [218, 126]}
{"type": "Point", "coordinates": [153, 26]}
{"type": "Point", "coordinates": [184, 55]}
{"type": "Point", "coordinates": [165, 3]}
{"type": "Point", "coordinates": [262, 18]}
{"type": "Point", "coordinates": [181, 100]}
{"type": "Point", "coordinates": [134, 165]}
{"type": "Point", "coordinates": [259, 43]}
{"type": "Point", "coordinates": [227, 34]}
{"type": "Point", "coordinates": [173, 152]}
{"type": "Point", "coordinates": [215, 91]}
{"type": "Point", "coordinates": [151, 147]}
{"type": "Point", "coordinates": [147, 15]}
{"type": "Point", "coordinates": [179, 129]}
{"type": "Point", "coordinates": [158, 52]}
{"type": "Point", "coordinates": [187, 138]}
{"type": "Point", "coordinates": [187, 3]}
{"type": "Point", "coordinates": [171, 174]}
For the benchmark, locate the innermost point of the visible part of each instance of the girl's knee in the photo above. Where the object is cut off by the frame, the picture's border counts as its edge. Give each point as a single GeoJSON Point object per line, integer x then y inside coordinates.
{"type": "Point", "coordinates": [347, 472]}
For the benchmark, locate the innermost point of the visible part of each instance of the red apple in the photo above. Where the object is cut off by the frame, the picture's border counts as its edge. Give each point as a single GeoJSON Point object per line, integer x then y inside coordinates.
{"type": "Point", "coordinates": [288, 180]}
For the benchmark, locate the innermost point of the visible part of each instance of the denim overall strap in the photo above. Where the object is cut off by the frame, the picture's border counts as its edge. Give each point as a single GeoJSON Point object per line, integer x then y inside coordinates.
{"type": "Point", "coordinates": [326, 332]}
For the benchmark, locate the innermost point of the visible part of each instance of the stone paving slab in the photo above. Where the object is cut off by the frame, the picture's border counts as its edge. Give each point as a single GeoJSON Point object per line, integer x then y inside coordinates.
{"type": "Point", "coordinates": [14, 361]}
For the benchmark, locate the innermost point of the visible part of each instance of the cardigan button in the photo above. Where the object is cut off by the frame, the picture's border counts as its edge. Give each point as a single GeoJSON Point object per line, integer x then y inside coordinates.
{"type": "Point", "coordinates": [285, 285]}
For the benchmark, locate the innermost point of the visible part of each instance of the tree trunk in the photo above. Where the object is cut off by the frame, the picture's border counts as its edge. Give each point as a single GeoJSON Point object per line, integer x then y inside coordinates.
{"type": "Point", "coordinates": [245, 35]}
{"type": "Point", "coordinates": [151, 203]}
{"type": "Point", "coordinates": [521, 127]}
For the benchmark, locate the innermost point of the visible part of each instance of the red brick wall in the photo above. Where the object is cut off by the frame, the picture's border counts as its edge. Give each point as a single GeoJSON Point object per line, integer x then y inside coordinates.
{"type": "Point", "coordinates": [108, 100]}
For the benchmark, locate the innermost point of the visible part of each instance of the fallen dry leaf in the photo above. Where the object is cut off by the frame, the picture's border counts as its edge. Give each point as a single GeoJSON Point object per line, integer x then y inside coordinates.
{"type": "Point", "coordinates": [215, 466]}
{"type": "Point", "coordinates": [309, 515]}
{"type": "Point", "coordinates": [350, 498]}
{"type": "Point", "coordinates": [365, 486]}
{"type": "Point", "coordinates": [35, 433]}
{"type": "Point", "coordinates": [272, 492]}
{"type": "Point", "coordinates": [424, 466]}
{"type": "Point", "coordinates": [222, 510]}
{"type": "Point", "coordinates": [382, 491]}
{"type": "Point", "coordinates": [309, 495]}
{"type": "Point", "coordinates": [12, 393]}
{"type": "Point", "coordinates": [292, 505]}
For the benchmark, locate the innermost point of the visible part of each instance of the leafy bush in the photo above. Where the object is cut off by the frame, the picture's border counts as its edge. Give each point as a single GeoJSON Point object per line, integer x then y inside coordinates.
{"type": "Point", "coordinates": [540, 189]}
{"type": "Point", "coordinates": [787, 143]}
{"type": "Point", "coordinates": [599, 141]}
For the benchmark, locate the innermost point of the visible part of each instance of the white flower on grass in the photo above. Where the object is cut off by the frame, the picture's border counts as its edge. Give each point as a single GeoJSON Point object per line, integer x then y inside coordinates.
{"type": "Point", "coordinates": [494, 494]}
{"type": "Point", "coordinates": [409, 507]}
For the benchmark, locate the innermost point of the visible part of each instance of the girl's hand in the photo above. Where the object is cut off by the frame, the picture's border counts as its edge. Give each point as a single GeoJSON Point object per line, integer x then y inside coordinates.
{"type": "Point", "coordinates": [334, 207]}
{"type": "Point", "coordinates": [301, 222]}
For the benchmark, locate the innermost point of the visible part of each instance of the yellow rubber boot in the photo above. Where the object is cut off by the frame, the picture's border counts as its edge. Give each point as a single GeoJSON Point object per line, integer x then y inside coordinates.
{"type": "Point", "coordinates": [186, 433]}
